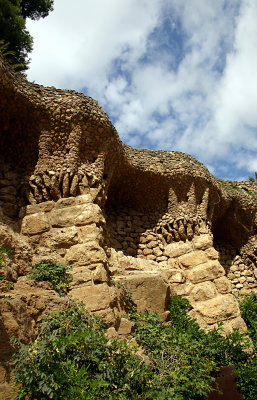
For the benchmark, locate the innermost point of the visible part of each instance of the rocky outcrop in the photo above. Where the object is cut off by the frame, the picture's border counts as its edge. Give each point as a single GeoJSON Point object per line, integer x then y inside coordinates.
{"type": "Point", "coordinates": [156, 222]}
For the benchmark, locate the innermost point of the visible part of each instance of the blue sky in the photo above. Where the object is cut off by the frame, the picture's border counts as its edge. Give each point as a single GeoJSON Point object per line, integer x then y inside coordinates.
{"type": "Point", "coordinates": [171, 74]}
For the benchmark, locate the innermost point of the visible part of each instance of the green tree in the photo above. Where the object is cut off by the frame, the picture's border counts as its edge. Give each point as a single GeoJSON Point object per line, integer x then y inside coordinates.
{"type": "Point", "coordinates": [13, 14]}
{"type": "Point", "coordinates": [36, 9]}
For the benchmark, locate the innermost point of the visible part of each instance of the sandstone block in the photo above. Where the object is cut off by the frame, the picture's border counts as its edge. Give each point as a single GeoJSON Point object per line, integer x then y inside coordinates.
{"type": "Point", "coordinates": [149, 290]}
{"type": "Point", "coordinates": [84, 214]}
{"type": "Point", "coordinates": [223, 285]}
{"type": "Point", "coordinates": [203, 291]}
{"type": "Point", "coordinates": [42, 207]}
{"type": "Point", "coordinates": [86, 254]}
{"type": "Point", "coordinates": [212, 253]}
{"type": "Point", "coordinates": [95, 297]}
{"type": "Point", "coordinates": [192, 259]}
{"type": "Point", "coordinates": [35, 224]}
{"type": "Point", "coordinates": [80, 276]}
{"type": "Point", "coordinates": [177, 249]}
{"type": "Point", "coordinates": [219, 308]}
{"type": "Point", "coordinates": [173, 275]}
{"type": "Point", "coordinates": [125, 326]}
{"type": "Point", "coordinates": [205, 272]}
{"type": "Point", "coordinates": [64, 237]}
{"type": "Point", "coordinates": [202, 242]}
{"type": "Point", "coordinates": [236, 323]}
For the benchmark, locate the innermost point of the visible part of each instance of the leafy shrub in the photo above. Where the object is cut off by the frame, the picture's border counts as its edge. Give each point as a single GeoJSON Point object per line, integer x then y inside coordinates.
{"type": "Point", "coordinates": [72, 358]}
{"type": "Point", "coordinates": [56, 273]}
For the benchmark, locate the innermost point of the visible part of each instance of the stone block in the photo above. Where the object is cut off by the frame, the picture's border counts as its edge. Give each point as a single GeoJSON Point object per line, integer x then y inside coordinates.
{"type": "Point", "coordinates": [35, 224]}
{"type": "Point", "coordinates": [177, 249]}
{"type": "Point", "coordinates": [220, 308]}
{"type": "Point", "coordinates": [173, 275]}
{"type": "Point", "coordinates": [63, 237]}
{"type": "Point", "coordinates": [95, 297]}
{"type": "Point", "coordinates": [86, 254]}
{"type": "Point", "coordinates": [80, 276]}
{"type": "Point", "coordinates": [125, 326]}
{"type": "Point", "coordinates": [235, 323]}
{"type": "Point", "coordinates": [202, 242]}
{"type": "Point", "coordinates": [149, 290]}
{"type": "Point", "coordinates": [203, 291]}
{"type": "Point", "coordinates": [194, 258]}
{"type": "Point", "coordinates": [223, 285]}
{"type": "Point", "coordinates": [84, 214]}
{"type": "Point", "coordinates": [205, 272]}
{"type": "Point", "coordinates": [46, 206]}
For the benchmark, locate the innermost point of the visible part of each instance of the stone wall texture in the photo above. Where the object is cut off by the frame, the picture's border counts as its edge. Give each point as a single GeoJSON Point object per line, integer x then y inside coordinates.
{"type": "Point", "coordinates": [156, 222]}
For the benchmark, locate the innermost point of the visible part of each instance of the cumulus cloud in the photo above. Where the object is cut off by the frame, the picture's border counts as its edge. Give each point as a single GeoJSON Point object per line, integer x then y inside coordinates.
{"type": "Point", "coordinates": [171, 75]}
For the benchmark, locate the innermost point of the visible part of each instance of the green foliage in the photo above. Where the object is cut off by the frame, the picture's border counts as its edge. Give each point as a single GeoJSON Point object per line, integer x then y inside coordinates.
{"type": "Point", "coordinates": [36, 9]}
{"type": "Point", "coordinates": [125, 299]}
{"type": "Point", "coordinates": [13, 14]}
{"type": "Point", "coordinates": [248, 306]}
{"type": "Point", "coordinates": [4, 255]}
{"type": "Point", "coordinates": [72, 358]}
{"type": "Point", "coordinates": [56, 273]}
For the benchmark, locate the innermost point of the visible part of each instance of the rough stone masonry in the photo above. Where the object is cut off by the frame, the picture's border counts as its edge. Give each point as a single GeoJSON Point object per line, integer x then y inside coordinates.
{"type": "Point", "coordinates": [156, 221]}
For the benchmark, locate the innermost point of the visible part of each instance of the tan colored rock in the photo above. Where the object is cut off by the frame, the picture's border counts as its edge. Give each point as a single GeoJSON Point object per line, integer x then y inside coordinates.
{"type": "Point", "coordinates": [42, 207]}
{"type": "Point", "coordinates": [220, 308]}
{"type": "Point", "coordinates": [205, 272]}
{"type": "Point", "coordinates": [236, 323]}
{"type": "Point", "coordinates": [125, 326]}
{"type": "Point", "coordinates": [202, 242]}
{"type": "Point", "coordinates": [223, 285]}
{"type": "Point", "coordinates": [177, 249]}
{"type": "Point", "coordinates": [148, 290]}
{"type": "Point", "coordinates": [212, 253]}
{"type": "Point", "coordinates": [35, 224]}
{"type": "Point", "coordinates": [100, 274]}
{"type": "Point", "coordinates": [203, 291]}
{"type": "Point", "coordinates": [80, 276]}
{"type": "Point", "coordinates": [86, 254]}
{"type": "Point", "coordinates": [192, 259]}
{"type": "Point", "coordinates": [95, 297]}
{"type": "Point", "coordinates": [83, 214]}
{"type": "Point", "coordinates": [147, 252]}
{"type": "Point", "coordinates": [63, 237]}
{"type": "Point", "coordinates": [174, 275]}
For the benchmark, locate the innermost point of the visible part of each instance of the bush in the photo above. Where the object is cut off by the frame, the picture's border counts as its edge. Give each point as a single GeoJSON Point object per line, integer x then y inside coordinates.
{"type": "Point", "coordinates": [72, 358]}
{"type": "Point", "coordinates": [55, 273]}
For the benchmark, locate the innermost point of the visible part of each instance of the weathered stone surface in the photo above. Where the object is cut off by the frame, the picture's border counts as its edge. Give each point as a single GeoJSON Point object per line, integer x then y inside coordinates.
{"type": "Point", "coordinates": [86, 254]}
{"type": "Point", "coordinates": [84, 214]}
{"type": "Point", "coordinates": [173, 275]}
{"type": "Point", "coordinates": [204, 272]}
{"type": "Point", "coordinates": [125, 326]}
{"type": "Point", "coordinates": [223, 285]}
{"type": "Point", "coordinates": [149, 290]}
{"type": "Point", "coordinates": [220, 308]}
{"type": "Point", "coordinates": [236, 323]}
{"type": "Point", "coordinates": [203, 291]}
{"type": "Point", "coordinates": [95, 297]}
{"type": "Point", "coordinates": [202, 242]}
{"type": "Point", "coordinates": [192, 259]}
{"type": "Point", "coordinates": [35, 224]}
{"type": "Point", "coordinates": [177, 249]}
{"type": "Point", "coordinates": [64, 237]}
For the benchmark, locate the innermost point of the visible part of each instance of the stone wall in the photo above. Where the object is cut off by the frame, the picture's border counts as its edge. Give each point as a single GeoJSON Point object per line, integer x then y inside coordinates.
{"type": "Point", "coordinates": [70, 191]}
